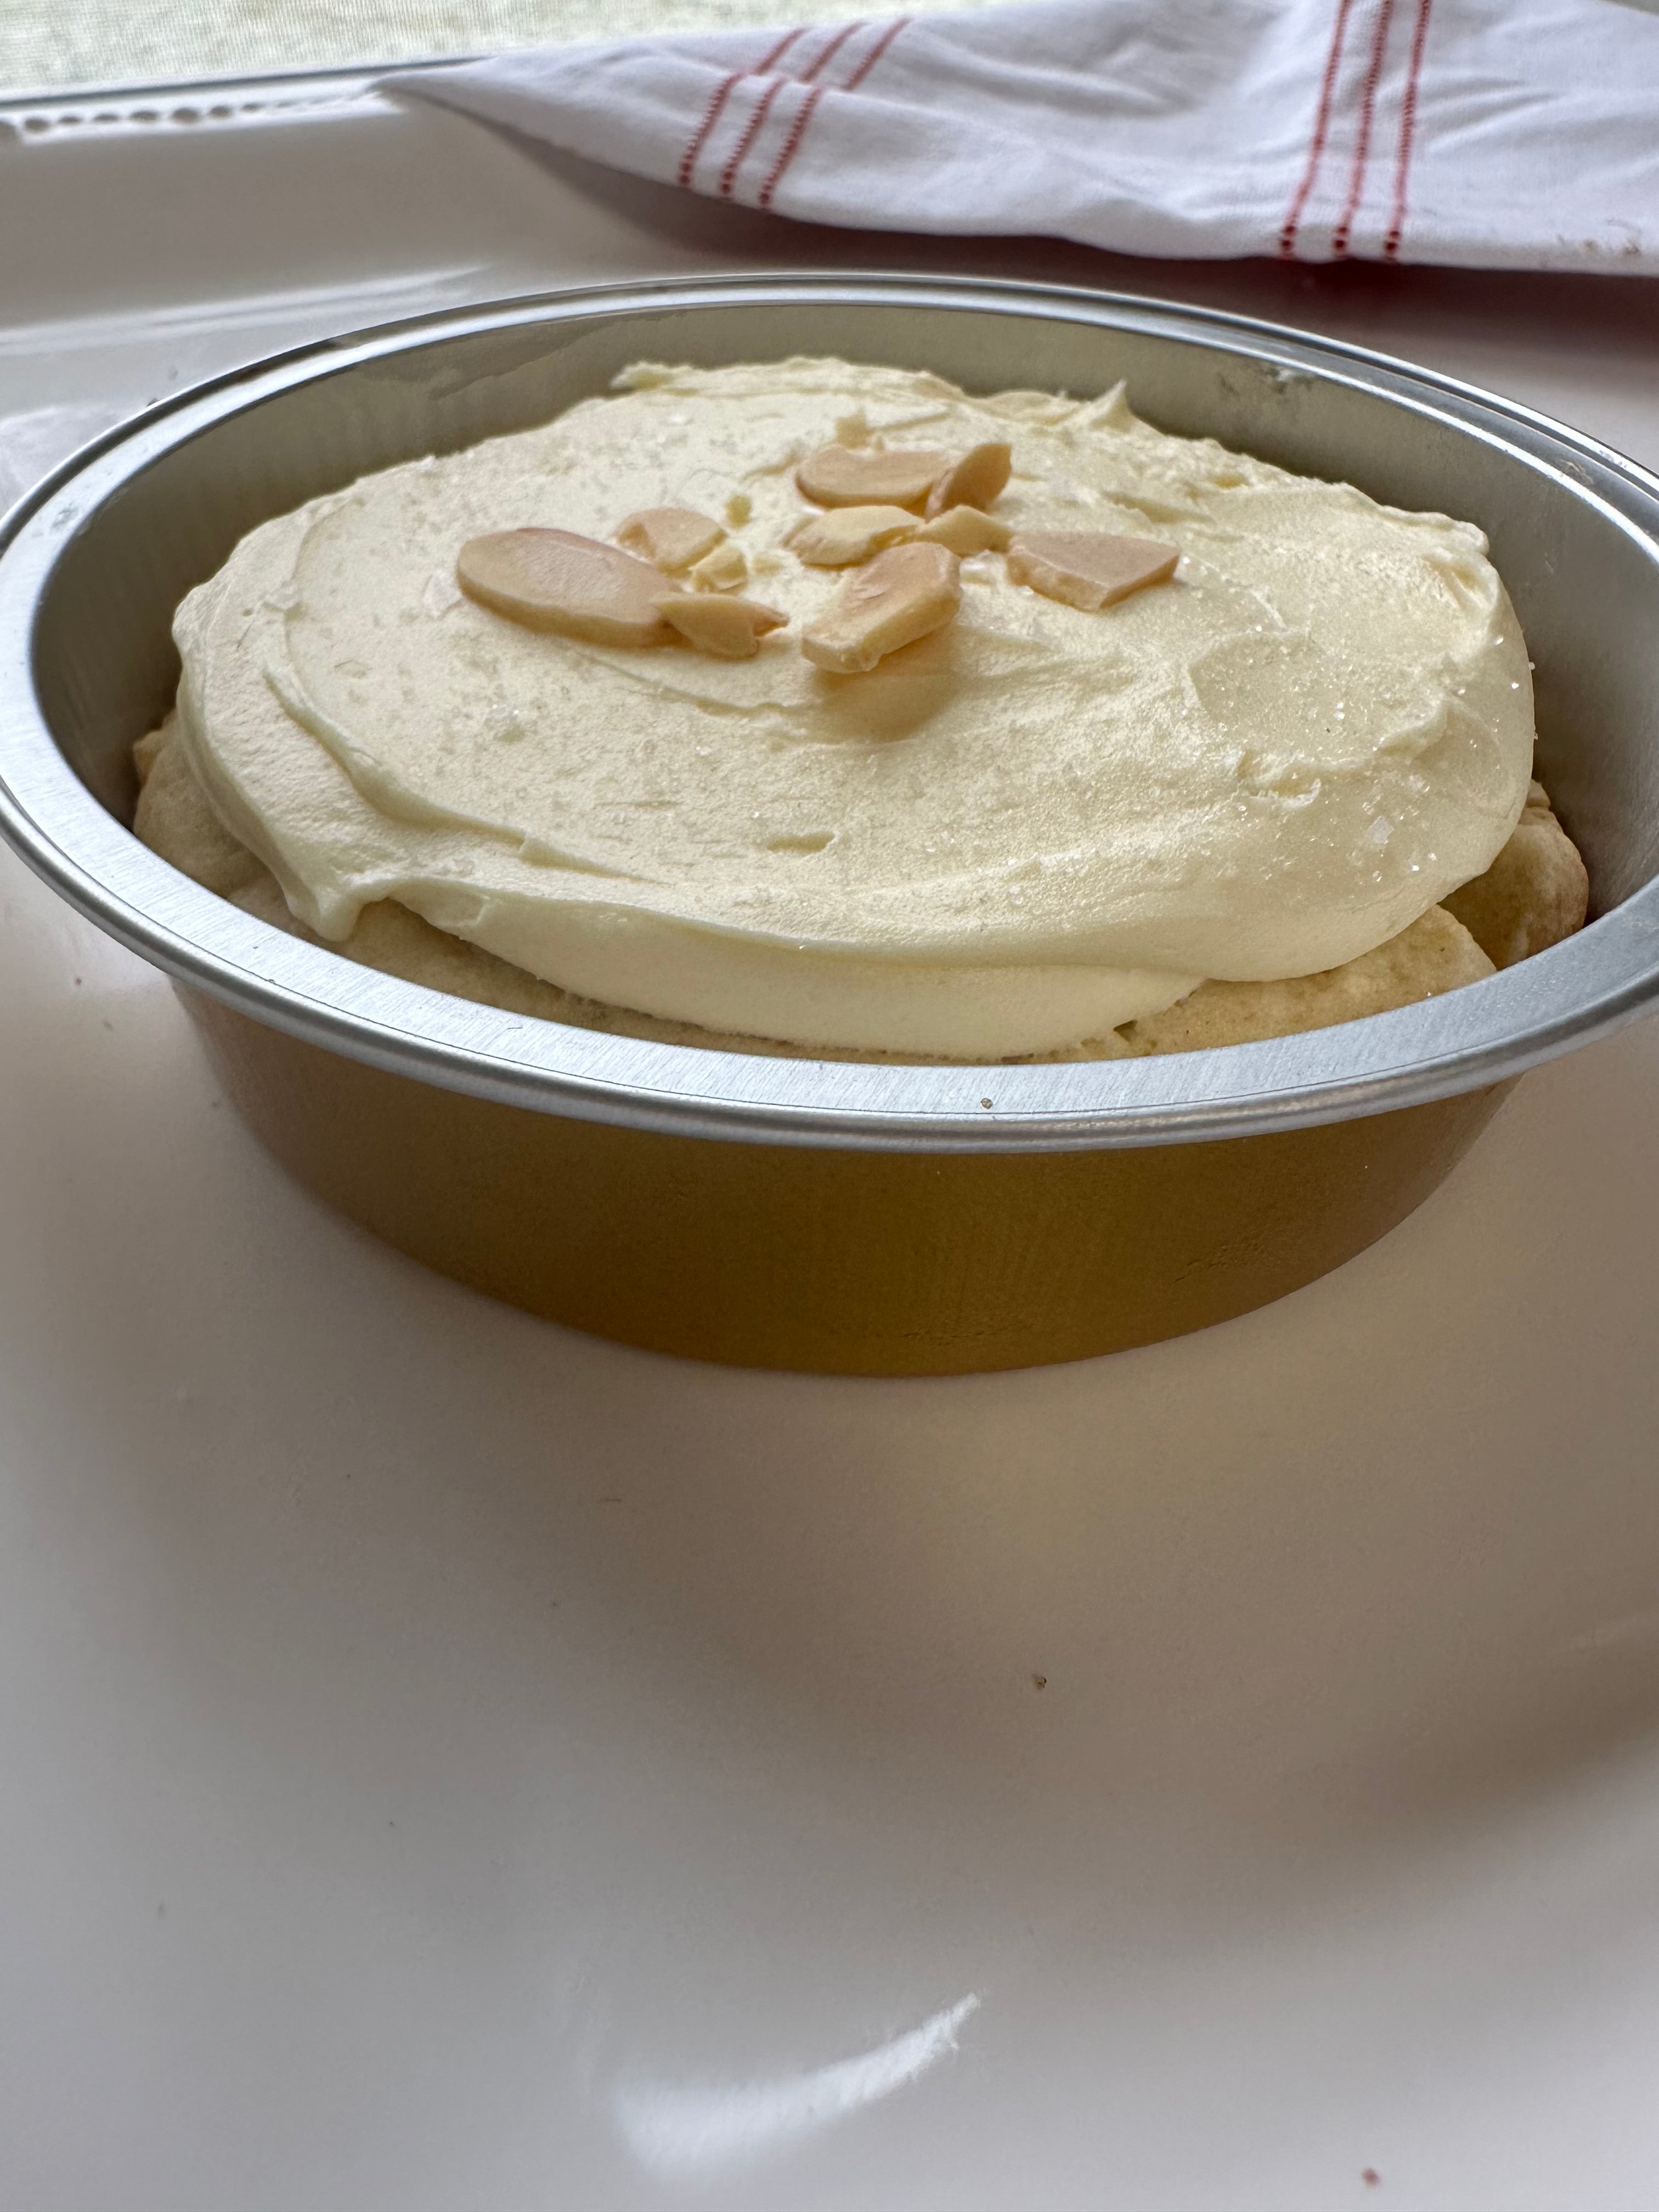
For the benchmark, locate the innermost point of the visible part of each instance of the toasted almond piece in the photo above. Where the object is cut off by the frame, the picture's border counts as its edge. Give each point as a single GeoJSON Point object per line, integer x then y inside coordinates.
{"type": "Point", "coordinates": [719, 622]}
{"type": "Point", "coordinates": [672, 537]}
{"type": "Point", "coordinates": [555, 580]}
{"type": "Point", "coordinates": [966, 531]}
{"type": "Point", "coordinates": [975, 479]}
{"type": "Point", "coordinates": [899, 596]}
{"type": "Point", "coordinates": [722, 570]}
{"type": "Point", "coordinates": [847, 535]}
{"type": "Point", "coordinates": [1088, 569]}
{"type": "Point", "coordinates": [865, 476]}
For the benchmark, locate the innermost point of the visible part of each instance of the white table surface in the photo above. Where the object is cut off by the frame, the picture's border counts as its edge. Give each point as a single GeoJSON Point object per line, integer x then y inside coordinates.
{"type": "Point", "coordinates": [451, 1763]}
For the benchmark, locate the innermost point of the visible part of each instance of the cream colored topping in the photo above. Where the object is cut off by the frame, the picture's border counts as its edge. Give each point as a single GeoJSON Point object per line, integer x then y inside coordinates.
{"type": "Point", "coordinates": [1436, 954]}
{"type": "Point", "coordinates": [1025, 829]}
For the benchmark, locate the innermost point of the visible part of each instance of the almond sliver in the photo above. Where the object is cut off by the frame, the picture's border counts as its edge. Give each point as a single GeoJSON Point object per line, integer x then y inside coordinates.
{"type": "Point", "coordinates": [672, 537]}
{"type": "Point", "coordinates": [847, 535]}
{"type": "Point", "coordinates": [719, 622]}
{"type": "Point", "coordinates": [725, 569]}
{"type": "Point", "coordinates": [966, 531]}
{"type": "Point", "coordinates": [902, 595]}
{"type": "Point", "coordinates": [1088, 569]}
{"type": "Point", "coordinates": [975, 480]}
{"type": "Point", "coordinates": [555, 580]}
{"type": "Point", "coordinates": [870, 476]}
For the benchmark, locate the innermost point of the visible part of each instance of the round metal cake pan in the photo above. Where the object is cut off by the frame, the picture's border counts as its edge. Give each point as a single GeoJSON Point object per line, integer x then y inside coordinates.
{"type": "Point", "coordinates": [839, 1217]}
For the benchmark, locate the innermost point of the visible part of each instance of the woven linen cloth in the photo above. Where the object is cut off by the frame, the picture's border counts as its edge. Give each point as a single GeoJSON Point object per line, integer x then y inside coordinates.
{"type": "Point", "coordinates": [1517, 134]}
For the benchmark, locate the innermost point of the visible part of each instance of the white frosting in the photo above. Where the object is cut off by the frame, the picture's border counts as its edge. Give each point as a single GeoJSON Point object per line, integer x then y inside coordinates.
{"type": "Point", "coordinates": [1016, 834]}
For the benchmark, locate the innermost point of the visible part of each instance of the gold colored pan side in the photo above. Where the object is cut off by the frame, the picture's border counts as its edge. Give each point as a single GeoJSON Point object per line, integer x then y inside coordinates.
{"type": "Point", "coordinates": [834, 1262]}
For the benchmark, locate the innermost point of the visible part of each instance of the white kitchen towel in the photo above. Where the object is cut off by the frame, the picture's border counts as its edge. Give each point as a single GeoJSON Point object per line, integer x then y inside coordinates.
{"type": "Point", "coordinates": [1482, 133]}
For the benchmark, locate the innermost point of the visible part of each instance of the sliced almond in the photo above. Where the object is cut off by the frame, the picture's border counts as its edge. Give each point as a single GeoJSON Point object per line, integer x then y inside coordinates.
{"type": "Point", "coordinates": [847, 535]}
{"type": "Point", "coordinates": [722, 570]}
{"type": "Point", "coordinates": [863, 475]}
{"type": "Point", "coordinates": [899, 596]}
{"type": "Point", "coordinates": [975, 480]}
{"type": "Point", "coordinates": [1088, 569]}
{"type": "Point", "coordinates": [555, 580]}
{"type": "Point", "coordinates": [966, 531]}
{"type": "Point", "coordinates": [672, 537]}
{"type": "Point", "coordinates": [719, 622]}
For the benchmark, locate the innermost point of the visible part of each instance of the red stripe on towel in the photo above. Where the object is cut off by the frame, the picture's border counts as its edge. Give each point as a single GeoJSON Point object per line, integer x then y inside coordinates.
{"type": "Point", "coordinates": [1407, 133]}
{"type": "Point", "coordinates": [721, 93]}
{"type": "Point", "coordinates": [751, 132]}
{"type": "Point", "coordinates": [790, 145]}
{"type": "Point", "coordinates": [875, 53]}
{"type": "Point", "coordinates": [1362, 144]}
{"type": "Point", "coordinates": [1321, 131]}
{"type": "Point", "coordinates": [808, 108]}
{"type": "Point", "coordinates": [830, 53]}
